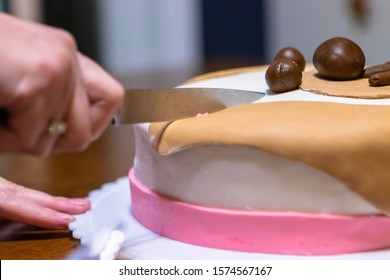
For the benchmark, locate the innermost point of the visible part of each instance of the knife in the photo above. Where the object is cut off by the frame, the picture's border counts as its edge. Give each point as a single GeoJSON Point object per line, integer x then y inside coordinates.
{"type": "Point", "coordinates": [154, 105]}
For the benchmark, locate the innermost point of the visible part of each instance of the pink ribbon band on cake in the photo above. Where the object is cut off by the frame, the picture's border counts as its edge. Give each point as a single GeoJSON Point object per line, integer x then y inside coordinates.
{"type": "Point", "coordinates": [257, 231]}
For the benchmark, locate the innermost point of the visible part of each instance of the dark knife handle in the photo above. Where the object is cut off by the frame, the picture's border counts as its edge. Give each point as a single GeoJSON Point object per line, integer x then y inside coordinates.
{"type": "Point", "coordinates": [3, 116]}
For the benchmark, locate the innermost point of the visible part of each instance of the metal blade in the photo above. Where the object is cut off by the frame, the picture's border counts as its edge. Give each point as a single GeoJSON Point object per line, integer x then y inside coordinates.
{"type": "Point", "coordinates": [154, 105]}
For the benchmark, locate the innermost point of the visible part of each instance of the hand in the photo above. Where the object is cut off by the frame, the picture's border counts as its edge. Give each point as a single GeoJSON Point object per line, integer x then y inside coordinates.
{"type": "Point", "coordinates": [33, 207]}
{"type": "Point", "coordinates": [43, 79]}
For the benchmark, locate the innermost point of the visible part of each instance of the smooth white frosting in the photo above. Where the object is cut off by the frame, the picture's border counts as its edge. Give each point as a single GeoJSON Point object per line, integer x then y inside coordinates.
{"type": "Point", "coordinates": [245, 178]}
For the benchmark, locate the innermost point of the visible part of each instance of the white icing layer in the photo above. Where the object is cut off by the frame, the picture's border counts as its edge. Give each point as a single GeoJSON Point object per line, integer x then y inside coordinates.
{"type": "Point", "coordinates": [242, 177]}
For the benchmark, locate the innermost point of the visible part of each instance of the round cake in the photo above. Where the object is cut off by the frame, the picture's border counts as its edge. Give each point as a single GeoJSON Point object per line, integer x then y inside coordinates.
{"type": "Point", "coordinates": [302, 172]}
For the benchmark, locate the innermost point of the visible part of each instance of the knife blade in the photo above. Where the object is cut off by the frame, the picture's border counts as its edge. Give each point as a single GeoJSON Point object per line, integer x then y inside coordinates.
{"type": "Point", "coordinates": [154, 105]}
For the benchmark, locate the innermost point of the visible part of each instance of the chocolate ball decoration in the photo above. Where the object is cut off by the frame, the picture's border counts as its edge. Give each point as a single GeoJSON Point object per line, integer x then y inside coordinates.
{"type": "Point", "coordinates": [339, 59]}
{"type": "Point", "coordinates": [294, 54]}
{"type": "Point", "coordinates": [284, 74]}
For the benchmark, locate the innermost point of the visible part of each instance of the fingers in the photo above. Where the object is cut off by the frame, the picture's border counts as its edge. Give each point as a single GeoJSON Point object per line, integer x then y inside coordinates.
{"type": "Point", "coordinates": [104, 94]}
{"type": "Point", "coordinates": [37, 85]}
{"type": "Point", "coordinates": [50, 81]}
{"type": "Point", "coordinates": [97, 97]}
{"type": "Point", "coordinates": [37, 208]}
{"type": "Point", "coordinates": [78, 134]}
{"type": "Point", "coordinates": [58, 90]}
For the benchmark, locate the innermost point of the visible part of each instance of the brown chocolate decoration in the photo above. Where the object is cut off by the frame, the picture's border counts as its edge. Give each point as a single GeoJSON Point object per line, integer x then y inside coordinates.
{"type": "Point", "coordinates": [294, 54]}
{"type": "Point", "coordinates": [376, 69]}
{"type": "Point", "coordinates": [358, 88]}
{"type": "Point", "coordinates": [379, 79]}
{"type": "Point", "coordinates": [284, 74]}
{"type": "Point", "coordinates": [339, 59]}
{"type": "Point", "coordinates": [349, 142]}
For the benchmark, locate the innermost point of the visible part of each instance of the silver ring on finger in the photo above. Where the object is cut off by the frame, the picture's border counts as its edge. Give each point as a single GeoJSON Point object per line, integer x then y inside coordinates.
{"type": "Point", "coordinates": [56, 128]}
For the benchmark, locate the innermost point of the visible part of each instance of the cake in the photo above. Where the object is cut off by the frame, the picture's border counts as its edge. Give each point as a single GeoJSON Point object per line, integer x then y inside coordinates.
{"type": "Point", "coordinates": [303, 172]}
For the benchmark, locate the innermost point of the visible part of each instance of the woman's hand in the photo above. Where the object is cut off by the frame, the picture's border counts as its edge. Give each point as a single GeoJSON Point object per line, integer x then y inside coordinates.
{"type": "Point", "coordinates": [33, 207]}
{"type": "Point", "coordinates": [43, 79]}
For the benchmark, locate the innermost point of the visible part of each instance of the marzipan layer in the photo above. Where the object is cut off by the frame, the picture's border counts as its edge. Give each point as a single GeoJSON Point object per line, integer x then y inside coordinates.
{"type": "Point", "coordinates": [358, 88]}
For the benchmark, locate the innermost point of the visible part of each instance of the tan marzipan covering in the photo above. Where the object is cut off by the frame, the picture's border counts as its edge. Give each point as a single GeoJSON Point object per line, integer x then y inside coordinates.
{"type": "Point", "coordinates": [349, 142]}
{"type": "Point", "coordinates": [358, 88]}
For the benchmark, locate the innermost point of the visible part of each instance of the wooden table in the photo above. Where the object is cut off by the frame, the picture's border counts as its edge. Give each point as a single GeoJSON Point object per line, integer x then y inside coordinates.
{"type": "Point", "coordinates": [72, 175]}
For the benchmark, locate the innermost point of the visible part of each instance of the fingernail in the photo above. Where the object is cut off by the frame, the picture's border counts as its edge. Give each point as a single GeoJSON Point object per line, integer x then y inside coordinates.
{"type": "Point", "coordinates": [79, 201]}
{"type": "Point", "coordinates": [66, 217]}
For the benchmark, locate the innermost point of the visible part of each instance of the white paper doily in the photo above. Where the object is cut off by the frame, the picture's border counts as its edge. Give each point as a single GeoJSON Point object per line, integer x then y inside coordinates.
{"type": "Point", "coordinates": [111, 210]}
